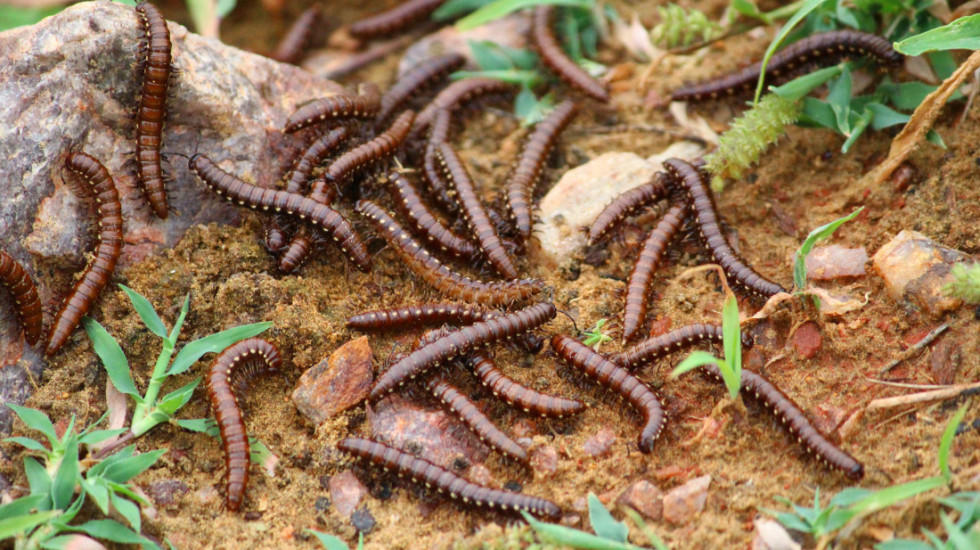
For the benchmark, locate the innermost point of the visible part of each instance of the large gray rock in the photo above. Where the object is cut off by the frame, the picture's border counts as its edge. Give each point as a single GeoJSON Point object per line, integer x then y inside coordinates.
{"type": "Point", "coordinates": [70, 83]}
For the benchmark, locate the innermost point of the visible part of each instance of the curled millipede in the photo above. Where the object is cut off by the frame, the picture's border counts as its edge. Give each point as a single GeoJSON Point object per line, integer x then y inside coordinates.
{"type": "Point", "coordinates": [24, 293]}
{"type": "Point", "coordinates": [276, 237]}
{"type": "Point", "coordinates": [521, 182]}
{"type": "Point", "coordinates": [641, 276]}
{"type": "Point", "coordinates": [420, 77]}
{"type": "Point", "coordinates": [382, 146]}
{"type": "Point", "coordinates": [553, 57]}
{"type": "Point", "coordinates": [260, 198]}
{"type": "Point", "coordinates": [394, 20]}
{"type": "Point", "coordinates": [312, 156]}
{"type": "Point", "coordinates": [475, 212]}
{"type": "Point", "coordinates": [441, 313]}
{"type": "Point", "coordinates": [457, 94]}
{"type": "Point", "coordinates": [795, 420]}
{"type": "Point", "coordinates": [619, 380]}
{"type": "Point", "coordinates": [420, 470]}
{"type": "Point", "coordinates": [437, 275]}
{"type": "Point", "coordinates": [153, 105]}
{"type": "Point", "coordinates": [339, 107]}
{"type": "Point", "coordinates": [293, 45]}
{"type": "Point", "coordinates": [237, 365]}
{"type": "Point", "coordinates": [438, 133]}
{"type": "Point", "coordinates": [301, 245]}
{"type": "Point", "coordinates": [467, 411]}
{"type": "Point", "coordinates": [627, 203]}
{"type": "Point", "coordinates": [519, 395]}
{"type": "Point", "coordinates": [460, 341]}
{"type": "Point", "coordinates": [820, 50]}
{"type": "Point", "coordinates": [99, 186]}
{"type": "Point", "coordinates": [424, 222]}
{"type": "Point", "coordinates": [702, 202]}
{"type": "Point", "coordinates": [655, 347]}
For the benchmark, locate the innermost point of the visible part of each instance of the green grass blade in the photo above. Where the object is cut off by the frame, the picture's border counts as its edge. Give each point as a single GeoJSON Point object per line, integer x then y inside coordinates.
{"type": "Point", "coordinates": [947, 441]}
{"type": "Point", "coordinates": [11, 527]}
{"type": "Point", "coordinates": [455, 8]}
{"type": "Point", "coordinates": [28, 443]}
{"type": "Point", "coordinates": [732, 341]}
{"type": "Point", "coordinates": [797, 88]}
{"type": "Point", "coordinates": [146, 312]}
{"type": "Point", "coordinates": [815, 236]}
{"type": "Point", "coordinates": [113, 358]}
{"type": "Point", "coordinates": [697, 359]}
{"type": "Point", "coordinates": [604, 525]}
{"type": "Point", "coordinates": [67, 477]}
{"type": "Point", "coordinates": [213, 344]}
{"type": "Point", "coordinates": [329, 542]}
{"type": "Point", "coordinates": [805, 10]}
{"type": "Point", "coordinates": [38, 478]}
{"type": "Point", "coordinates": [655, 540]}
{"type": "Point", "coordinates": [574, 537]}
{"type": "Point", "coordinates": [961, 34]}
{"type": "Point", "coordinates": [184, 308]}
{"type": "Point", "coordinates": [21, 506]}
{"type": "Point", "coordinates": [121, 471]}
{"type": "Point", "coordinates": [501, 8]}
{"type": "Point", "coordinates": [173, 401]}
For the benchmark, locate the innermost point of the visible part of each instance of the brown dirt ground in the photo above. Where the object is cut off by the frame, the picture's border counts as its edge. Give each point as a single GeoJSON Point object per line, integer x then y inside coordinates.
{"type": "Point", "coordinates": [752, 462]}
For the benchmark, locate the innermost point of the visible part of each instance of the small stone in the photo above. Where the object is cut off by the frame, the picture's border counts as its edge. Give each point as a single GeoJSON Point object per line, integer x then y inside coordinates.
{"type": "Point", "coordinates": [346, 492]}
{"type": "Point", "coordinates": [544, 460]}
{"type": "Point", "coordinates": [835, 261]}
{"type": "Point", "coordinates": [206, 494]}
{"type": "Point", "coordinates": [405, 424]}
{"type": "Point", "coordinates": [571, 520]}
{"type": "Point", "coordinates": [322, 504]}
{"type": "Point", "coordinates": [600, 443]}
{"type": "Point", "coordinates": [915, 269]}
{"type": "Point", "coordinates": [645, 498]}
{"type": "Point", "coordinates": [807, 340]}
{"type": "Point", "coordinates": [945, 361]}
{"type": "Point", "coordinates": [682, 503]}
{"type": "Point", "coordinates": [771, 535]}
{"type": "Point", "coordinates": [509, 32]}
{"type": "Point", "coordinates": [336, 383]}
{"type": "Point", "coordinates": [363, 521]}
{"type": "Point", "coordinates": [166, 492]}
{"type": "Point", "coordinates": [480, 474]}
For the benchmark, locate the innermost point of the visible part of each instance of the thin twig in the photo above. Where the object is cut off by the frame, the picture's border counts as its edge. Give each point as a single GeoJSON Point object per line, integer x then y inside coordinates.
{"type": "Point", "coordinates": [915, 348]}
{"type": "Point", "coordinates": [907, 385]}
{"type": "Point", "coordinates": [922, 397]}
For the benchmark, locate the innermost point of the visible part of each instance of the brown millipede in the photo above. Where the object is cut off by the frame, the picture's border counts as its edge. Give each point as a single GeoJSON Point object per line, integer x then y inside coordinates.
{"type": "Point", "coordinates": [655, 347]}
{"type": "Point", "coordinates": [312, 156]}
{"type": "Point", "coordinates": [467, 411]}
{"type": "Point", "coordinates": [437, 275]}
{"type": "Point", "coordinates": [424, 221]}
{"type": "Point", "coordinates": [260, 198]}
{"type": "Point", "coordinates": [641, 276]}
{"type": "Point", "coordinates": [627, 203]}
{"type": "Point", "coordinates": [518, 395]}
{"type": "Point", "coordinates": [417, 79]}
{"type": "Point", "coordinates": [795, 420]}
{"type": "Point", "coordinates": [521, 182]}
{"type": "Point", "coordinates": [301, 245]}
{"type": "Point", "coordinates": [438, 132]}
{"type": "Point", "coordinates": [382, 146]}
{"type": "Point", "coordinates": [420, 470]}
{"type": "Point", "coordinates": [460, 341]}
{"type": "Point", "coordinates": [820, 50]}
{"type": "Point", "coordinates": [294, 43]}
{"type": "Point", "coordinates": [475, 212]}
{"type": "Point", "coordinates": [152, 110]}
{"type": "Point", "coordinates": [237, 365]}
{"type": "Point", "coordinates": [456, 94]}
{"type": "Point", "coordinates": [394, 20]}
{"type": "Point", "coordinates": [553, 57]}
{"type": "Point", "coordinates": [702, 203]}
{"type": "Point", "coordinates": [99, 186]}
{"type": "Point", "coordinates": [619, 380]}
{"type": "Point", "coordinates": [24, 293]}
{"type": "Point", "coordinates": [363, 106]}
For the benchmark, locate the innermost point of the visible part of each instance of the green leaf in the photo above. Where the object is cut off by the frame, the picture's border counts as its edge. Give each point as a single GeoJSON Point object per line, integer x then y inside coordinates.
{"type": "Point", "coordinates": [113, 358]}
{"type": "Point", "coordinates": [961, 34]}
{"type": "Point", "coordinates": [99, 493]}
{"type": "Point", "coordinates": [225, 7]}
{"type": "Point", "coordinates": [574, 537]}
{"type": "Point", "coordinates": [815, 236]}
{"type": "Point", "coordinates": [697, 359]}
{"type": "Point", "coordinates": [530, 109]}
{"type": "Point", "coordinates": [36, 420]}
{"type": "Point", "coordinates": [749, 9]}
{"type": "Point", "coordinates": [11, 527]}
{"type": "Point", "coordinates": [655, 540]}
{"type": "Point", "coordinates": [173, 401]}
{"type": "Point", "coordinates": [604, 525]}
{"type": "Point", "coordinates": [179, 324]}
{"type": "Point", "coordinates": [213, 344]}
{"type": "Point", "coordinates": [196, 424]}
{"type": "Point", "coordinates": [489, 56]}
{"type": "Point", "coordinates": [455, 8]}
{"type": "Point", "coordinates": [121, 471]}
{"type": "Point", "coordinates": [732, 342]}
{"type": "Point", "coordinates": [128, 510]}
{"type": "Point", "coordinates": [947, 441]}
{"type": "Point", "coordinates": [258, 452]}
{"type": "Point", "coordinates": [28, 443]}
{"type": "Point", "coordinates": [112, 530]}
{"type": "Point", "coordinates": [885, 117]}
{"type": "Point", "coordinates": [819, 113]}
{"type": "Point", "coordinates": [146, 312]}
{"type": "Point", "coordinates": [501, 8]}
{"type": "Point", "coordinates": [799, 87]}
{"type": "Point", "coordinates": [858, 124]}
{"type": "Point", "coordinates": [804, 10]}
{"type": "Point", "coordinates": [67, 476]}
{"type": "Point", "coordinates": [99, 436]}
{"type": "Point", "coordinates": [38, 478]}
{"type": "Point", "coordinates": [22, 506]}
{"type": "Point", "coordinates": [839, 99]}
{"type": "Point", "coordinates": [329, 542]}
{"type": "Point", "coordinates": [528, 79]}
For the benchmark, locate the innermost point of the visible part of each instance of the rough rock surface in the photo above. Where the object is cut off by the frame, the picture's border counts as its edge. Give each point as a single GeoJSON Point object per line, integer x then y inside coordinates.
{"type": "Point", "coordinates": [835, 261]}
{"type": "Point", "coordinates": [645, 498]}
{"type": "Point", "coordinates": [600, 443]}
{"type": "Point", "coordinates": [346, 492]}
{"type": "Point", "coordinates": [915, 268]}
{"type": "Point", "coordinates": [72, 85]}
{"type": "Point", "coordinates": [682, 503]}
{"type": "Point", "coordinates": [335, 383]}
{"type": "Point", "coordinates": [582, 192]}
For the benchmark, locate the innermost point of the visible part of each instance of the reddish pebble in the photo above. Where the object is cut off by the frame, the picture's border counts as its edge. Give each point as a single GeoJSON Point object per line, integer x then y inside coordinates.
{"type": "Point", "coordinates": [336, 383]}
{"type": "Point", "coordinates": [645, 498]}
{"type": "Point", "coordinates": [660, 327]}
{"type": "Point", "coordinates": [682, 503]}
{"type": "Point", "coordinates": [346, 492]}
{"type": "Point", "coordinates": [807, 339]}
{"type": "Point", "coordinates": [544, 460]}
{"type": "Point", "coordinates": [600, 443]}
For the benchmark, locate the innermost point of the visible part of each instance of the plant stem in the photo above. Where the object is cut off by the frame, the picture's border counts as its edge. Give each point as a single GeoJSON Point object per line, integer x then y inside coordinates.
{"type": "Point", "coordinates": [140, 413]}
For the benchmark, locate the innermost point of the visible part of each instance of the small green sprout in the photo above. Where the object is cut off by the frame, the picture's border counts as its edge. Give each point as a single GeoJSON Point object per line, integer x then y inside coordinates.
{"type": "Point", "coordinates": [966, 283]}
{"type": "Point", "coordinates": [821, 233]}
{"type": "Point", "coordinates": [682, 27]}
{"type": "Point", "coordinates": [595, 337]}
{"type": "Point", "coordinates": [731, 366]}
{"type": "Point", "coordinates": [609, 533]}
{"type": "Point", "coordinates": [331, 542]}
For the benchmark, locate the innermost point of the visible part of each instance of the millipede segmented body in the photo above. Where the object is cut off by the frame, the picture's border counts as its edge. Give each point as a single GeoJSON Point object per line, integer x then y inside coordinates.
{"type": "Point", "coordinates": [823, 49]}
{"type": "Point", "coordinates": [339, 107]}
{"type": "Point", "coordinates": [25, 297]}
{"type": "Point", "coordinates": [460, 341]}
{"type": "Point", "coordinates": [437, 275]}
{"type": "Point", "coordinates": [521, 182]}
{"type": "Point", "coordinates": [293, 45]}
{"type": "Point", "coordinates": [259, 198]}
{"type": "Point", "coordinates": [420, 470]}
{"type": "Point", "coordinates": [641, 276]}
{"type": "Point", "coordinates": [152, 110]}
{"type": "Point", "coordinates": [99, 186]}
{"type": "Point", "coordinates": [553, 57]}
{"type": "Point", "coordinates": [394, 20]}
{"type": "Point", "coordinates": [312, 156]}
{"type": "Point", "coordinates": [301, 245]}
{"type": "Point", "coordinates": [236, 365]}
{"type": "Point", "coordinates": [702, 202]}
{"type": "Point", "coordinates": [795, 420]}
{"type": "Point", "coordinates": [627, 203]}
{"type": "Point", "coordinates": [452, 97]}
{"type": "Point", "coordinates": [439, 131]}
{"type": "Point", "coordinates": [518, 395]}
{"type": "Point", "coordinates": [415, 80]}
{"type": "Point", "coordinates": [475, 212]}
{"type": "Point", "coordinates": [467, 411]}
{"type": "Point", "coordinates": [656, 347]}
{"type": "Point", "coordinates": [617, 379]}
{"type": "Point", "coordinates": [426, 225]}
{"type": "Point", "coordinates": [381, 147]}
